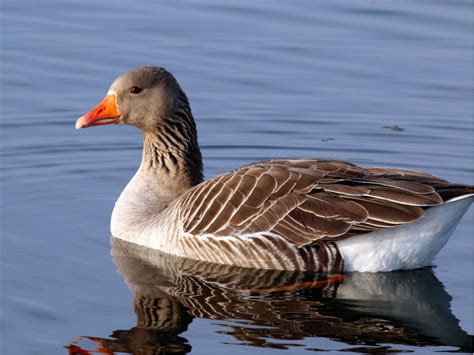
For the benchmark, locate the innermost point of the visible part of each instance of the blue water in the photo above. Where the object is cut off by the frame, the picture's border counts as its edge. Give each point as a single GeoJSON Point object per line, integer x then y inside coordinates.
{"type": "Point", "coordinates": [371, 82]}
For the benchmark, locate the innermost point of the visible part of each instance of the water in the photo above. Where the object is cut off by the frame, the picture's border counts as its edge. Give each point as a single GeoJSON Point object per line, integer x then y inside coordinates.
{"type": "Point", "coordinates": [371, 82]}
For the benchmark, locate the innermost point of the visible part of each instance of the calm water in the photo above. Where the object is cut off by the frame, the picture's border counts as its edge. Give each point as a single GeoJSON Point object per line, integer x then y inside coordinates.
{"type": "Point", "coordinates": [372, 82]}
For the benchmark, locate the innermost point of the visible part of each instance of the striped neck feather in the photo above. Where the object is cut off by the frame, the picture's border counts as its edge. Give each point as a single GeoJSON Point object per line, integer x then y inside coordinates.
{"type": "Point", "coordinates": [171, 153]}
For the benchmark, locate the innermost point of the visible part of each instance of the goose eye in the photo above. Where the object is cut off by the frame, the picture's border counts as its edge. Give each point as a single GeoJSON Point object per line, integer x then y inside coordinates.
{"type": "Point", "coordinates": [135, 90]}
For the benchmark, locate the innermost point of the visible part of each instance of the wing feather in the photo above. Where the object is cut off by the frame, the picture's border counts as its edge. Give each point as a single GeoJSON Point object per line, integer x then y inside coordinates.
{"type": "Point", "coordinates": [308, 200]}
{"type": "Point", "coordinates": [403, 196]}
{"type": "Point", "coordinates": [389, 212]}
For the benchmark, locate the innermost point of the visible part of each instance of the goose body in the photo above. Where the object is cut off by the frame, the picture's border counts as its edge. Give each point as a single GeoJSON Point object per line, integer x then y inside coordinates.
{"type": "Point", "coordinates": [293, 214]}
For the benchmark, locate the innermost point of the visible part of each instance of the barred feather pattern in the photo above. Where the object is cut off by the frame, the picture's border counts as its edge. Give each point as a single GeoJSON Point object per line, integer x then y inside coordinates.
{"type": "Point", "coordinates": [172, 148]}
{"type": "Point", "coordinates": [286, 214]}
{"type": "Point", "coordinates": [263, 251]}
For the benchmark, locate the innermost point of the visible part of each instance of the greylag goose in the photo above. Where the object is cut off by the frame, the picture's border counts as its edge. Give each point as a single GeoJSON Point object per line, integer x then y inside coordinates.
{"type": "Point", "coordinates": [295, 214]}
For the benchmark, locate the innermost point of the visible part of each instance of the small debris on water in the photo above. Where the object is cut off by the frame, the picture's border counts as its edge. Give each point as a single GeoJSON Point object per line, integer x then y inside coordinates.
{"type": "Point", "coordinates": [394, 128]}
{"type": "Point", "coordinates": [327, 139]}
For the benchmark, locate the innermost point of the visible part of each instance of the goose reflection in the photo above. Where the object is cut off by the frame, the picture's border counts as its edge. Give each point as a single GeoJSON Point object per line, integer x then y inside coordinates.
{"type": "Point", "coordinates": [278, 309]}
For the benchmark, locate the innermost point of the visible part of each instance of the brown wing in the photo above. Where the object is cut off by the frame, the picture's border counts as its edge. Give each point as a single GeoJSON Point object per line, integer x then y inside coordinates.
{"type": "Point", "coordinates": [309, 200]}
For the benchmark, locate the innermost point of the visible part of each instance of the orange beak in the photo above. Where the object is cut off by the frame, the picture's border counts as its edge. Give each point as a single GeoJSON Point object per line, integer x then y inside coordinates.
{"type": "Point", "coordinates": [104, 113]}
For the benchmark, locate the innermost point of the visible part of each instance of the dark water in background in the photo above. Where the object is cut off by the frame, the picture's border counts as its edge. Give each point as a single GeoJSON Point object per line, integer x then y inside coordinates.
{"type": "Point", "coordinates": [265, 79]}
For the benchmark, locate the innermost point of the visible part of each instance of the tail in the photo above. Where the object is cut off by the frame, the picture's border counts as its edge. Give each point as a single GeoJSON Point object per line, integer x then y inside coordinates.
{"type": "Point", "coordinates": [449, 191]}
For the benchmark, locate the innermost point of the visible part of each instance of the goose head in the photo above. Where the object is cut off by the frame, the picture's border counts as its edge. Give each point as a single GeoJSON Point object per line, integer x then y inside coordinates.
{"type": "Point", "coordinates": [151, 99]}
{"type": "Point", "coordinates": [144, 97]}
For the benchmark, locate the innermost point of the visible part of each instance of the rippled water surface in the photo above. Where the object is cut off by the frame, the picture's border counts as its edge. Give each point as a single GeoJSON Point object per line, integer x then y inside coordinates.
{"type": "Point", "coordinates": [372, 82]}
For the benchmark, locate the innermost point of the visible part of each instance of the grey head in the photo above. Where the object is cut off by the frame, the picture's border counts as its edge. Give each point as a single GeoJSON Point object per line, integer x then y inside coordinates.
{"type": "Point", "coordinates": [147, 96]}
{"type": "Point", "coordinates": [151, 99]}
{"type": "Point", "coordinates": [144, 97]}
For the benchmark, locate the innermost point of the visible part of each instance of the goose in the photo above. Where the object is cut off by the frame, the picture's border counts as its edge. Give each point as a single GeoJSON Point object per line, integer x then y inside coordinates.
{"type": "Point", "coordinates": [284, 214]}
